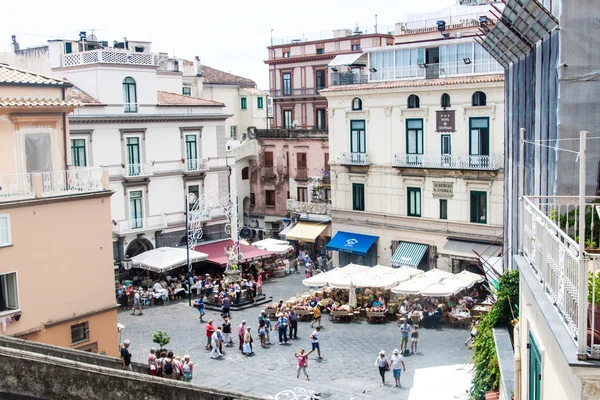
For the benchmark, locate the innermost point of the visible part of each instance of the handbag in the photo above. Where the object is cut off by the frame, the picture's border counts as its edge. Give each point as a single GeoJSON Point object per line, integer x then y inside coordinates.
{"type": "Point", "coordinates": [387, 366]}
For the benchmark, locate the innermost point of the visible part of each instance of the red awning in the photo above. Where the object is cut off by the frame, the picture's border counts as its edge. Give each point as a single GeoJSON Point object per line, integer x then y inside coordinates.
{"type": "Point", "coordinates": [216, 251]}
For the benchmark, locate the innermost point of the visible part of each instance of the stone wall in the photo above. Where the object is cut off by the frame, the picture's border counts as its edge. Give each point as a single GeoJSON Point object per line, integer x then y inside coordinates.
{"type": "Point", "coordinates": [78, 375]}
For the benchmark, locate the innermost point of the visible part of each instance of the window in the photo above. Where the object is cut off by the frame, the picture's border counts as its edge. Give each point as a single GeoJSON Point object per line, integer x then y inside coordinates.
{"type": "Point", "coordinates": [479, 141]}
{"type": "Point", "coordinates": [478, 207]}
{"type": "Point", "coordinates": [355, 47]}
{"type": "Point", "coordinates": [414, 140]}
{"type": "Point", "coordinates": [286, 54]}
{"type": "Point", "coordinates": [245, 173]}
{"type": "Point", "coordinates": [9, 299]}
{"type": "Point", "coordinates": [244, 103]}
{"type": "Point", "coordinates": [414, 202]}
{"type": "Point", "coordinates": [287, 119]}
{"type": "Point", "coordinates": [358, 197]}
{"type": "Point", "coordinates": [133, 156]}
{"type": "Point", "coordinates": [320, 79]}
{"type": "Point", "coordinates": [136, 213]}
{"type": "Point", "coordinates": [252, 199]}
{"type": "Point", "coordinates": [259, 102]}
{"type": "Point", "coordinates": [78, 153]}
{"type": "Point", "coordinates": [356, 104]}
{"type": "Point", "coordinates": [5, 239]}
{"type": "Point", "coordinates": [186, 91]}
{"type": "Point", "coordinates": [414, 101]}
{"type": "Point", "coordinates": [443, 209]}
{"type": "Point", "coordinates": [130, 95]}
{"type": "Point", "coordinates": [268, 159]}
{"type": "Point", "coordinates": [270, 198]}
{"type": "Point", "coordinates": [138, 49]}
{"type": "Point", "coordinates": [287, 84]}
{"type": "Point", "coordinates": [535, 370]}
{"type": "Point", "coordinates": [358, 140]}
{"type": "Point", "coordinates": [445, 103]}
{"type": "Point", "coordinates": [479, 99]}
{"type": "Point", "coordinates": [321, 51]}
{"type": "Point", "coordinates": [233, 131]}
{"type": "Point", "coordinates": [320, 118]}
{"type": "Point", "coordinates": [80, 332]}
{"type": "Point", "coordinates": [68, 48]}
{"type": "Point", "coordinates": [302, 194]}
{"type": "Point", "coordinates": [191, 151]}
{"type": "Point", "coordinates": [446, 150]}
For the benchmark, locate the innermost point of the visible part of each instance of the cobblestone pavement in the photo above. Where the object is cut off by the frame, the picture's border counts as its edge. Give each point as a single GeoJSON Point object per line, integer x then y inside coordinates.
{"type": "Point", "coordinates": [350, 349]}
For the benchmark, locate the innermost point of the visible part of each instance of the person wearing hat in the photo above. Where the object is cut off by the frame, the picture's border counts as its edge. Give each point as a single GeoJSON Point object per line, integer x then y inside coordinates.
{"type": "Point", "coordinates": [241, 332]}
{"type": "Point", "coordinates": [382, 363]}
{"type": "Point", "coordinates": [397, 365]}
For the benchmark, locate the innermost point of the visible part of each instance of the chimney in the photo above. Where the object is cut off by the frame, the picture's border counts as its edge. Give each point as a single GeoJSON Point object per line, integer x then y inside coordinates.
{"type": "Point", "coordinates": [15, 44]}
{"type": "Point", "coordinates": [198, 66]}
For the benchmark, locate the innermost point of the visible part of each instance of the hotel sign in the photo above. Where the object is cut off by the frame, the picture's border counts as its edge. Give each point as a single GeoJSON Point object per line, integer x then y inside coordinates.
{"type": "Point", "coordinates": [444, 121]}
{"type": "Point", "coordinates": [443, 190]}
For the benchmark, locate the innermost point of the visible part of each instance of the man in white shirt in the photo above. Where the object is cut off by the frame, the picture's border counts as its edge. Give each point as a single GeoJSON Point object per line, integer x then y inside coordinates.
{"type": "Point", "coordinates": [214, 342]}
{"type": "Point", "coordinates": [137, 303]}
{"type": "Point", "coordinates": [397, 365]}
{"type": "Point", "coordinates": [157, 287]}
{"type": "Point", "coordinates": [314, 340]}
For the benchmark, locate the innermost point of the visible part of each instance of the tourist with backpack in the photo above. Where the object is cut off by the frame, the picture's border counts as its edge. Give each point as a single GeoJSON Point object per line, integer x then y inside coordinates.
{"type": "Point", "coordinates": [167, 367]}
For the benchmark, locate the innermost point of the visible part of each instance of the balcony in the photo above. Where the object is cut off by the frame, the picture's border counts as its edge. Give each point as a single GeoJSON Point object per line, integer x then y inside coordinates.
{"type": "Point", "coordinates": [108, 56]}
{"type": "Point", "coordinates": [137, 171]}
{"type": "Point", "coordinates": [268, 172]}
{"type": "Point", "coordinates": [347, 78]}
{"type": "Point", "coordinates": [548, 230]}
{"type": "Point", "coordinates": [127, 226]}
{"type": "Point", "coordinates": [52, 183]}
{"type": "Point", "coordinates": [194, 166]}
{"type": "Point", "coordinates": [299, 207]}
{"type": "Point", "coordinates": [481, 163]}
{"type": "Point", "coordinates": [282, 133]}
{"type": "Point", "coordinates": [434, 71]}
{"type": "Point", "coordinates": [294, 92]}
{"type": "Point", "coordinates": [301, 174]}
{"type": "Point", "coordinates": [359, 159]}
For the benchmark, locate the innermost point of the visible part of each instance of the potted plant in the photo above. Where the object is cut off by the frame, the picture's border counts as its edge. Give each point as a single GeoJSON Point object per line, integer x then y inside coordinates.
{"type": "Point", "coordinates": [161, 338]}
{"type": "Point", "coordinates": [594, 301]}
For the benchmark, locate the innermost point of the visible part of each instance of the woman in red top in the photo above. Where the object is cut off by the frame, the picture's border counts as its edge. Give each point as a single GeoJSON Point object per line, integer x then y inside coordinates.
{"type": "Point", "coordinates": [210, 329]}
{"type": "Point", "coordinates": [302, 363]}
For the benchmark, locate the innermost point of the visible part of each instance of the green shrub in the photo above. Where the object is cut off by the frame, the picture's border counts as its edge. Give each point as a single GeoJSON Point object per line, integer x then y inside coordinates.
{"type": "Point", "coordinates": [161, 338]}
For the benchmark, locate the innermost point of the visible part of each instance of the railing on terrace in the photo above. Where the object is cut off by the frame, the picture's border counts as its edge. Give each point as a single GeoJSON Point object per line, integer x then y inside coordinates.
{"type": "Point", "coordinates": [549, 229]}
{"type": "Point", "coordinates": [51, 183]}
{"type": "Point", "coordinates": [490, 163]}
{"type": "Point", "coordinates": [140, 224]}
{"type": "Point", "coordinates": [293, 92]}
{"type": "Point", "coordinates": [301, 174]}
{"type": "Point", "coordinates": [282, 133]}
{"type": "Point", "coordinates": [108, 56]}
{"type": "Point", "coordinates": [354, 158]}
{"type": "Point", "coordinates": [195, 165]}
{"type": "Point", "coordinates": [137, 170]}
{"type": "Point", "coordinates": [347, 78]}
{"type": "Point", "coordinates": [296, 206]}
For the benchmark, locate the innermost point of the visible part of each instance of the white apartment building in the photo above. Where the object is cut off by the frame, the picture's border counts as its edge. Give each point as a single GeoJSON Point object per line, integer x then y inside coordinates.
{"type": "Point", "coordinates": [416, 151]}
{"type": "Point", "coordinates": [139, 122]}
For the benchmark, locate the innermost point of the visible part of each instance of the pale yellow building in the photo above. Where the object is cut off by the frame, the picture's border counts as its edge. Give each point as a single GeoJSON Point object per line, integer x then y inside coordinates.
{"type": "Point", "coordinates": [56, 275]}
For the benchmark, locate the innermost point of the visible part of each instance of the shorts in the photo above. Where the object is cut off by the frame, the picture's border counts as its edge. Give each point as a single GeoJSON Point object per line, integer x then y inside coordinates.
{"type": "Point", "coordinates": [404, 339]}
{"type": "Point", "coordinates": [397, 373]}
{"type": "Point", "coordinates": [415, 339]}
{"type": "Point", "coordinates": [315, 346]}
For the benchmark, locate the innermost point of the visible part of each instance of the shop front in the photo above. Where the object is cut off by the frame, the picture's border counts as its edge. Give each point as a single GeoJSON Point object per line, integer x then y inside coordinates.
{"type": "Point", "coordinates": [309, 236]}
{"type": "Point", "coordinates": [466, 255]}
{"type": "Point", "coordinates": [354, 248]}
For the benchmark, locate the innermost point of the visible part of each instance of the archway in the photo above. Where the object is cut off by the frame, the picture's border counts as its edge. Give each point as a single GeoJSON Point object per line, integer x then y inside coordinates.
{"type": "Point", "coordinates": [138, 246]}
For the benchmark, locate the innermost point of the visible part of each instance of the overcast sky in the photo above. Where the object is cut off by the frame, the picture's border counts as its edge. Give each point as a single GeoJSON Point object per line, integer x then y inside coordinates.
{"type": "Point", "coordinates": [231, 35]}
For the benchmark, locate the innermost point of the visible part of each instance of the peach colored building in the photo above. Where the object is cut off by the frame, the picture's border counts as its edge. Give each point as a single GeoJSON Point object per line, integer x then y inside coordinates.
{"type": "Point", "coordinates": [56, 275]}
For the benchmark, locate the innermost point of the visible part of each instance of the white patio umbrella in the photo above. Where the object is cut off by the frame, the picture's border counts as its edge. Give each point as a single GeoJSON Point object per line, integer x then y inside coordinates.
{"type": "Point", "coordinates": [420, 282]}
{"type": "Point", "coordinates": [468, 279]}
{"type": "Point", "coordinates": [274, 245]}
{"type": "Point", "coordinates": [165, 259]}
{"type": "Point", "coordinates": [344, 277]}
{"type": "Point", "coordinates": [447, 287]}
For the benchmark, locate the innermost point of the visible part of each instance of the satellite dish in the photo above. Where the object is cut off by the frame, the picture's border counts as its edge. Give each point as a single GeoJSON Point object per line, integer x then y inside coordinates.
{"type": "Point", "coordinates": [295, 124]}
{"type": "Point", "coordinates": [92, 38]}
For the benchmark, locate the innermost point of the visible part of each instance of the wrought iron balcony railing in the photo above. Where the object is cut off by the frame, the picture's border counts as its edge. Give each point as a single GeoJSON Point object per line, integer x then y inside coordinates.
{"type": "Point", "coordinates": [299, 207]}
{"type": "Point", "coordinates": [138, 170]}
{"type": "Point", "coordinates": [447, 161]}
{"type": "Point", "coordinates": [140, 224]}
{"type": "Point", "coordinates": [195, 165]}
{"type": "Point", "coordinates": [354, 158]}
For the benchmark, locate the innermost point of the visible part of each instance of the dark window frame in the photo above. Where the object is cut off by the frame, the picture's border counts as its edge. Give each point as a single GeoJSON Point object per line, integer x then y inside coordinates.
{"type": "Point", "coordinates": [475, 207]}
{"type": "Point", "coordinates": [416, 213]}
{"type": "Point", "coordinates": [244, 103]}
{"type": "Point", "coordinates": [414, 101]}
{"type": "Point", "coordinates": [358, 197]}
{"type": "Point", "coordinates": [270, 195]}
{"type": "Point", "coordinates": [80, 332]}
{"type": "Point", "coordinates": [420, 137]}
{"type": "Point", "coordinates": [445, 101]}
{"type": "Point", "coordinates": [357, 104]}
{"type": "Point", "coordinates": [260, 102]}
{"type": "Point", "coordinates": [252, 199]}
{"type": "Point", "coordinates": [286, 88]}
{"type": "Point", "coordinates": [479, 99]}
{"type": "Point", "coordinates": [444, 209]}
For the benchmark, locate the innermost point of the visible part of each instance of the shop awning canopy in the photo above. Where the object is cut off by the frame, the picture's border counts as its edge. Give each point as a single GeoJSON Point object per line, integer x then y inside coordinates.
{"type": "Point", "coordinates": [408, 254]}
{"type": "Point", "coordinates": [306, 231]}
{"type": "Point", "coordinates": [165, 259]}
{"type": "Point", "coordinates": [354, 243]}
{"type": "Point", "coordinates": [418, 283]}
{"type": "Point", "coordinates": [288, 228]}
{"type": "Point", "coordinates": [274, 245]}
{"type": "Point", "coordinates": [216, 251]}
{"type": "Point", "coordinates": [358, 59]}
{"type": "Point", "coordinates": [469, 250]}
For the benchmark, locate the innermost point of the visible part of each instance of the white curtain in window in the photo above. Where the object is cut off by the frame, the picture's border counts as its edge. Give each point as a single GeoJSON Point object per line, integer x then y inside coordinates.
{"type": "Point", "coordinates": [4, 230]}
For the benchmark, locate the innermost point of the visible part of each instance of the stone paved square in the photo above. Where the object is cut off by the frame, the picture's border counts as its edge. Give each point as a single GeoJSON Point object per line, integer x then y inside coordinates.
{"type": "Point", "coordinates": [440, 370]}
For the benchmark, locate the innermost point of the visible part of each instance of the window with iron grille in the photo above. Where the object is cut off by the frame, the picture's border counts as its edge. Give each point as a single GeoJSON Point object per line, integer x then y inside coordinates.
{"type": "Point", "coordinates": [80, 332]}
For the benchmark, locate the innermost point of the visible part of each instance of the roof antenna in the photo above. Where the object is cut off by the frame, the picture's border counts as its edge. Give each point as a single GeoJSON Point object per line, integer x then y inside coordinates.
{"type": "Point", "coordinates": [375, 23]}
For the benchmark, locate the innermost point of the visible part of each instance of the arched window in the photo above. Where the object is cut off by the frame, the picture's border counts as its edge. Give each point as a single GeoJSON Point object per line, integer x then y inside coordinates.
{"type": "Point", "coordinates": [129, 95]}
{"type": "Point", "coordinates": [446, 100]}
{"type": "Point", "coordinates": [479, 99]}
{"type": "Point", "coordinates": [356, 104]}
{"type": "Point", "coordinates": [413, 101]}
{"type": "Point", "coordinates": [245, 173]}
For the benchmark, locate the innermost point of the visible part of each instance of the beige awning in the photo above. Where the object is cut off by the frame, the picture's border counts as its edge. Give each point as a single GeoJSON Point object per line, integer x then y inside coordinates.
{"type": "Point", "coordinates": [306, 231]}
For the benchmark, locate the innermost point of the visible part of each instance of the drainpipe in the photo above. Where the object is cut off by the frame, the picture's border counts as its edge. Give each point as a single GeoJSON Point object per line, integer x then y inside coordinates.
{"type": "Point", "coordinates": [517, 341]}
{"type": "Point", "coordinates": [64, 121]}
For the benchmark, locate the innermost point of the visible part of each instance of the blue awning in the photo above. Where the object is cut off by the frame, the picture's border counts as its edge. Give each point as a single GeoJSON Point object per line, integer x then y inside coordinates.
{"type": "Point", "coordinates": [351, 243]}
{"type": "Point", "coordinates": [408, 254]}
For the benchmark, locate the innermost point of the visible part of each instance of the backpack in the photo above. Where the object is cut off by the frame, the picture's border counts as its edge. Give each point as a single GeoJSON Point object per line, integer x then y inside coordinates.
{"type": "Point", "coordinates": [406, 353]}
{"type": "Point", "coordinates": [169, 367]}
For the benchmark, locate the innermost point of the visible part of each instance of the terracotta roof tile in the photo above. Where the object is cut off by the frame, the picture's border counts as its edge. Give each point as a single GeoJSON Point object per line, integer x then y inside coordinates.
{"type": "Point", "coordinates": [16, 76]}
{"type": "Point", "coordinates": [416, 83]}
{"type": "Point", "coordinates": [173, 99]}
{"type": "Point", "coordinates": [74, 93]}
{"type": "Point", "coordinates": [37, 102]}
{"type": "Point", "coordinates": [212, 75]}
{"type": "Point", "coordinates": [254, 91]}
